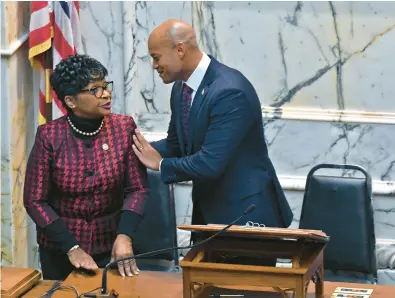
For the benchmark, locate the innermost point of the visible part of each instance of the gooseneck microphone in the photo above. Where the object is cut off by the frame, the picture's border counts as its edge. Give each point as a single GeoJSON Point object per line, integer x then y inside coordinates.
{"type": "Point", "coordinates": [159, 251]}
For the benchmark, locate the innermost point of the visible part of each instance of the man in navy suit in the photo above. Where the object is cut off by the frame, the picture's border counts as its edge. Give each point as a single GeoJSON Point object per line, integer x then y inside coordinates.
{"type": "Point", "coordinates": [215, 137]}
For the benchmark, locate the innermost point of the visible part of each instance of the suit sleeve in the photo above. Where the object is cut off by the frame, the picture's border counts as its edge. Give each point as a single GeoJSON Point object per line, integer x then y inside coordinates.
{"type": "Point", "coordinates": [38, 182]}
{"type": "Point", "coordinates": [36, 190]}
{"type": "Point", "coordinates": [135, 189]}
{"type": "Point", "coordinates": [231, 118]}
{"type": "Point", "coordinates": [169, 147]}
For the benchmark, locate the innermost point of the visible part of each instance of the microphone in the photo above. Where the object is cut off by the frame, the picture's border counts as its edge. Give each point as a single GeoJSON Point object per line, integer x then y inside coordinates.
{"type": "Point", "coordinates": [248, 210]}
{"type": "Point", "coordinates": [159, 251]}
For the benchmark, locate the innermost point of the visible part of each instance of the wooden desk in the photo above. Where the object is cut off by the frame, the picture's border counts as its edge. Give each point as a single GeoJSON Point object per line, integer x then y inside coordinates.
{"type": "Point", "coordinates": [169, 285]}
{"type": "Point", "coordinates": [148, 284]}
{"type": "Point", "coordinates": [39, 289]}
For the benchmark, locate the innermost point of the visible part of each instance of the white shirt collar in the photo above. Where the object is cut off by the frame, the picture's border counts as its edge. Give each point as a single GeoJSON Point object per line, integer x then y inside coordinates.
{"type": "Point", "coordinates": [197, 76]}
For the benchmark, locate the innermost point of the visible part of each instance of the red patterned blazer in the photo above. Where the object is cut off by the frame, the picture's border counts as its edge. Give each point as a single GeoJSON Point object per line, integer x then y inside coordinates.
{"type": "Point", "coordinates": [87, 184]}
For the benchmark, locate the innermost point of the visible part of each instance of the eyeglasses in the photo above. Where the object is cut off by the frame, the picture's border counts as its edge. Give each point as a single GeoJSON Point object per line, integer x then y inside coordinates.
{"type": "Point", "coordinates": [98, 91]}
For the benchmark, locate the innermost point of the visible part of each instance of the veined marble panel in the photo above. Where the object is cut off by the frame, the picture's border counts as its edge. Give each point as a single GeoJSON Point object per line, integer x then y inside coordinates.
{"type": "Point", "coordinates": [296, 146]}
{"type": "Point", "coordinates": [144, 89]}
{"type": "Point", "coordinates": [314, 55]}
{"type": "Point", "coordinates": [386, 255]}
{"type": "Point", "coordinates": [328, 55]}
{"type": "Point", "coordinates": [102, 38]}
{"type": "Point", "coordinates": [154, 123]}
{"type": "Point", "coordinates": [386, 276]}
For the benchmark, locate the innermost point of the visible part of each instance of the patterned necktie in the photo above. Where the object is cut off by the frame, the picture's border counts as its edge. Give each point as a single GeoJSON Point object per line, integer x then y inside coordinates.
{"type": "Point", "coordinates": [186, 98]}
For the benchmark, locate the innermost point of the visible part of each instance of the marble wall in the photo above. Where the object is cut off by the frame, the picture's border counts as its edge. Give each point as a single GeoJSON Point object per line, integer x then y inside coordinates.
{"type": "Point", "coordinates": [17, 134]}
{"type": "Point", "coordinates": [323, 71]}
{"type": "Point", "coordinates": [315, 54]}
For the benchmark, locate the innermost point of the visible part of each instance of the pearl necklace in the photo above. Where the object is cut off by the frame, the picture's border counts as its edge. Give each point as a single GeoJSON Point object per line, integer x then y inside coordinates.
{"type": "Point", "coordinates": [85, 133]}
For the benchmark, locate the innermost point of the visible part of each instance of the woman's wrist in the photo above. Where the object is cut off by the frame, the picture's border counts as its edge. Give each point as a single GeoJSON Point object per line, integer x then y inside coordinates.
{"type": "Point", "coordinates": [125, 237]}
{"type": "Point", "coordinates": [72, 249]}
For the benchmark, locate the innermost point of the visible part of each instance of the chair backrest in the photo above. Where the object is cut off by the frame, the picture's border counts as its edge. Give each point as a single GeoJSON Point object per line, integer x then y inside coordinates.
{"type": "Point", "coordinates": [158, 228]}
{"type": "Point", "coordinates": [341, 207]}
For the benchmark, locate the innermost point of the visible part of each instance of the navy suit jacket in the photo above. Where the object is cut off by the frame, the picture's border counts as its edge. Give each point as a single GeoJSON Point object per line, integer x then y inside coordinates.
{"type": "Point", "coordinates": [226, 155]}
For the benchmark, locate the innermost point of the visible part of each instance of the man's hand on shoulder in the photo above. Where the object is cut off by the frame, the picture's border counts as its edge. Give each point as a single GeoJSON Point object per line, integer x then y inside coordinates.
{"type": "Point", "coordinates": [148, 156]}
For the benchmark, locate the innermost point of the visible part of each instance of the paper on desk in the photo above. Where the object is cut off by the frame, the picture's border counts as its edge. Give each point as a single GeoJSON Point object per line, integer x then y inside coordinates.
{"type": "Point", "coordinates": [354, 291]}
{"type": "Point", "coordinates": [348, 295]}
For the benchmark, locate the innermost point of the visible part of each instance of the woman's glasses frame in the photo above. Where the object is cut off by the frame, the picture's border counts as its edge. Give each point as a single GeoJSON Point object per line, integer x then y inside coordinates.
{"type": "Point", "coordinates": [98, 91]}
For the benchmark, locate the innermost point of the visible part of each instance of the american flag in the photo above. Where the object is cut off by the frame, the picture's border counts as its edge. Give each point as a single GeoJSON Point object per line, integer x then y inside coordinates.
{"type": "Point", "coordinates": [54, 35]}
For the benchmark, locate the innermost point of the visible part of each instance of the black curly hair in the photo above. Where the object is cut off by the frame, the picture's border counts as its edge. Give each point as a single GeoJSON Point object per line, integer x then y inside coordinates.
{"type": "Point", "coordinates": [74, 73]}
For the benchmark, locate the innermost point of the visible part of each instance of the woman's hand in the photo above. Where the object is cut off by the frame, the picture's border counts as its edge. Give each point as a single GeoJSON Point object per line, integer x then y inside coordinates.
{"type": "Point", "coordinates": [123, 248]}
{"type": "Point", "coordinates": [80, 259]}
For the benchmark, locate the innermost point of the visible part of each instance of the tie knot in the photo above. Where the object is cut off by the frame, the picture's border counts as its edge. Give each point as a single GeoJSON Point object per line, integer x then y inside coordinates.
{"type": "Point", "coordinates": [187, 89]}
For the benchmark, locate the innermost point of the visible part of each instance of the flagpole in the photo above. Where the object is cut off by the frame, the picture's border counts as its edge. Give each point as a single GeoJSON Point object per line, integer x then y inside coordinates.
{"type": "Point", "coordinates": [48, 89]}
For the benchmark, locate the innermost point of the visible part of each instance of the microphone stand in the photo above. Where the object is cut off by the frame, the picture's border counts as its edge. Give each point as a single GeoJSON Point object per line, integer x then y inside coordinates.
{"type": "Point", "coordinates": [114, 294]}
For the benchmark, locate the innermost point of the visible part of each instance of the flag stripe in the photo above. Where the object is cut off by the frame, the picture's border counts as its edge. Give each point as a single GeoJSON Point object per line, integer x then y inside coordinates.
{"type": "Point", "coordinates": [77, 6]}
{"type": "Point", "coordinates": [42, 103]}
{"type": "Point", "coordinates": [56, 55]}
{"type": "Point", "coordinates": [39, 36]}
{"type": "Point", "coordinates": [37, 5]}
{"type": "Point", "coordinates": [59, 106]}
{"type": "Point", "coordinates": [65, 8]}
{"type": "Point", "coordinates": [64, 24]}
{"type": "Point", "coordinates": [39, 19]}
{"type": "Point", "coordinates": [61, 46]}
{"type": "Point", "coordinates": [75, 27]}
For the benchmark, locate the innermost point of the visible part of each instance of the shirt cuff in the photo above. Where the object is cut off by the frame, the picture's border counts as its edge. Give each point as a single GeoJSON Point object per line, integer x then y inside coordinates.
{"type": "Point", "coordinates": [60, 234]}
{"type": "Point", "coordinates": [160, 164]}
{"type": "Point", "coordinates": [129, 223]}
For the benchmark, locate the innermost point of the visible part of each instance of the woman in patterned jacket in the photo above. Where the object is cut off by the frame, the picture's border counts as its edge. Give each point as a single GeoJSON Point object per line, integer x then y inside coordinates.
{"type": "Point", "coordinates": [84, 186]}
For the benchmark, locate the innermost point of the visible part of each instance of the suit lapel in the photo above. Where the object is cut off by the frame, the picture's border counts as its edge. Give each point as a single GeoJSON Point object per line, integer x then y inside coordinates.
{"type": "Point", "coordinates": [198, 100]}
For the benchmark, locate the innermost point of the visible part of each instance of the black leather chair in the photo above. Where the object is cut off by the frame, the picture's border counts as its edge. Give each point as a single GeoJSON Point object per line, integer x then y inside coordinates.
{"type": "Point", "coordinates": [342, 208]}
{"type": "Point", "coordinates": [158, 228]}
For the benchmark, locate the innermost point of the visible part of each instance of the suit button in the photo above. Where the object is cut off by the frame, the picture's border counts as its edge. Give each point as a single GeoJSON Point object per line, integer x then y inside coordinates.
{"type": "Point", "coordinates": [90, 173]}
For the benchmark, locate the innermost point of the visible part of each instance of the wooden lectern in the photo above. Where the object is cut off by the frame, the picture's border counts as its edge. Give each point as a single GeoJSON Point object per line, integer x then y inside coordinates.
{"type": "Point", "coordinates": [211, 264]}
